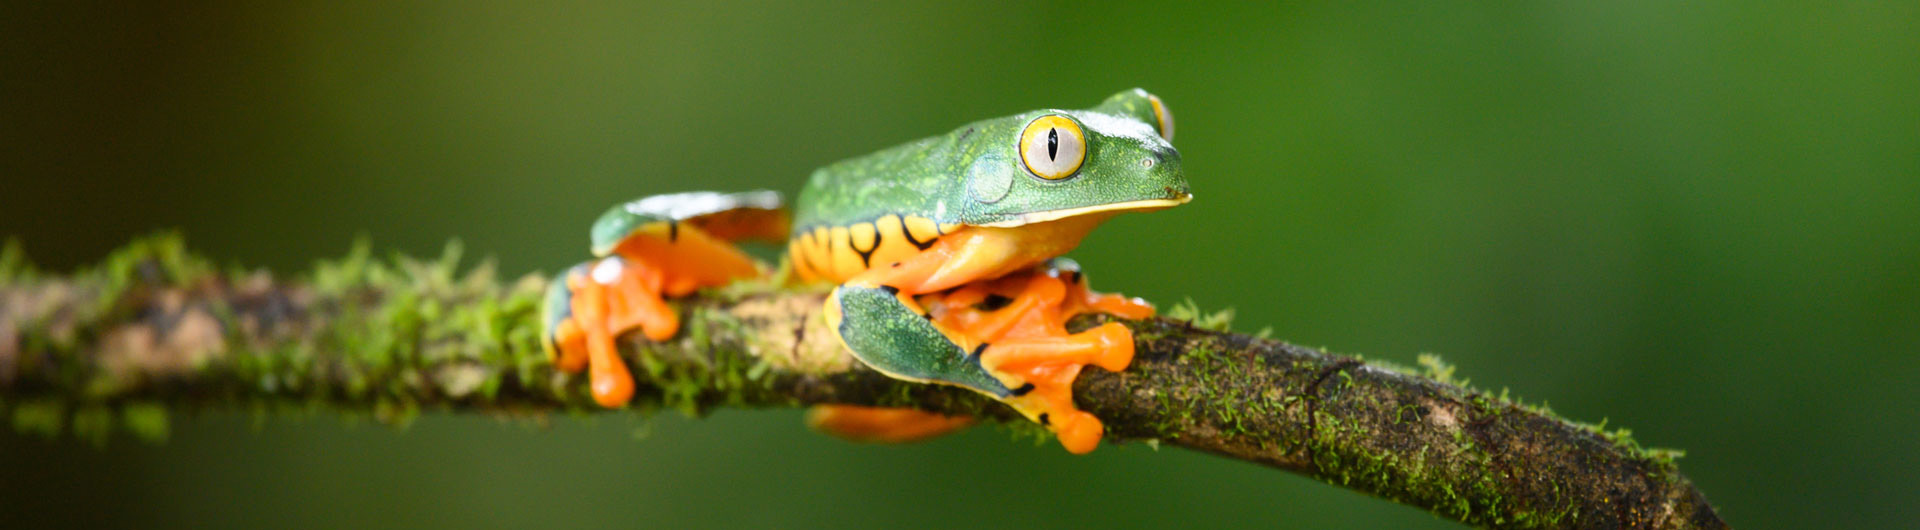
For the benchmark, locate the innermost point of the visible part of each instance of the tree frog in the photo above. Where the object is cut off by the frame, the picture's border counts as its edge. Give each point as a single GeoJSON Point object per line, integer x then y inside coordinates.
{"type": "Point", "coordinates": [945, 252]}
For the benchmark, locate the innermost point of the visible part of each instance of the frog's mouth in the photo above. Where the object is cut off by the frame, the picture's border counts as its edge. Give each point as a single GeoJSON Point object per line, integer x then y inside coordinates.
{"type": "Point", "coordinates": [1179, 198]}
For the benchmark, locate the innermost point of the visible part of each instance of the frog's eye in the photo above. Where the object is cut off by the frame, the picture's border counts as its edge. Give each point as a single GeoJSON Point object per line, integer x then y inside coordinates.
{"type": "Point", "coordinates": [1052, 147]}
{"type": "Point", "coordinates": [1164, 116]}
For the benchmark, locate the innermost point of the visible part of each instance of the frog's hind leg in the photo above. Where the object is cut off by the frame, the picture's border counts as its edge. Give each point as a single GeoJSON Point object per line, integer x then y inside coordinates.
{"type": "Point", "coordinates": [887, 330]}
{"type": "Point", "coordinates": [881, 424]}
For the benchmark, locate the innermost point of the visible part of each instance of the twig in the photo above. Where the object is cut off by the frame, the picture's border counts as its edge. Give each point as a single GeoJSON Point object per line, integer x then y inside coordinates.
{"type": "Point", "coordinates": [154, 328]}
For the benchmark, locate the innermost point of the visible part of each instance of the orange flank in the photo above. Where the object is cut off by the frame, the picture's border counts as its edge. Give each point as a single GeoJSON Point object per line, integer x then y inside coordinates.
{"type": "Point", "coordinates": [882, 425]}
{"type": "Point", "coordinates": [977, 253]}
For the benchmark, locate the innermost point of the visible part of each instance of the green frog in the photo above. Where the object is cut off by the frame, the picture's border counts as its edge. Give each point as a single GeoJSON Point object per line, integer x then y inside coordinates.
{"type": "Point", "coordinates": [945, 252]}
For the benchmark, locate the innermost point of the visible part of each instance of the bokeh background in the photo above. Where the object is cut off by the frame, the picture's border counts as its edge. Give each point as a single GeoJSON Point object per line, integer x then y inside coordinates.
{"type": "Point", "coordinates": [1698, 220]}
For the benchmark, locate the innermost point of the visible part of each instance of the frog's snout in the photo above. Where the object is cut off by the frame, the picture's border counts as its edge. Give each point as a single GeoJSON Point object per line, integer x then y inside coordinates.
{"type": "Point", "coordinates": [1165, 166]}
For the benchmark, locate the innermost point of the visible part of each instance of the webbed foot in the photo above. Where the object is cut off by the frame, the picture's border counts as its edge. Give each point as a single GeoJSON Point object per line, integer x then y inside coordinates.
{"type": "Point", "coordinates": [591, 305]}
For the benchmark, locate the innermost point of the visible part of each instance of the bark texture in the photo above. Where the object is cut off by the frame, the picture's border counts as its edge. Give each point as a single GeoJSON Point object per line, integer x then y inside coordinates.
{"type": "Point", "coordinates": [154, 329]}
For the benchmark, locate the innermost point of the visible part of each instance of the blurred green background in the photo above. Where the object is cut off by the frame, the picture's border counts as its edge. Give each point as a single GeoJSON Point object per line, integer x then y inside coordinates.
{"type": "Point", "coordinates": [1698, 220]}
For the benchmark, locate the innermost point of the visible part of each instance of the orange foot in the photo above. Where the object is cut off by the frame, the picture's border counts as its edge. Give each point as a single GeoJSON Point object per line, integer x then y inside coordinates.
{"type": "Point", "coordinates": [603, 299]}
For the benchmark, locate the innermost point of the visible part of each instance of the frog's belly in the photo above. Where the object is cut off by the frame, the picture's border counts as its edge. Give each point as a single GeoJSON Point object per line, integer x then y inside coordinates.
{"type": "Point", "coordinates": [837, 253]}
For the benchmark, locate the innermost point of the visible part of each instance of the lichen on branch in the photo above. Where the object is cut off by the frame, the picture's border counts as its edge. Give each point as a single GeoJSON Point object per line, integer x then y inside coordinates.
{"type": "Point", "coordinates": [153, 328]}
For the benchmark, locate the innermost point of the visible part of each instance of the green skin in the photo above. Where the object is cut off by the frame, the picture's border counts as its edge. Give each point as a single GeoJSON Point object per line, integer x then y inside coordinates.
{"type": "Point", "coordinates": [972, 176]}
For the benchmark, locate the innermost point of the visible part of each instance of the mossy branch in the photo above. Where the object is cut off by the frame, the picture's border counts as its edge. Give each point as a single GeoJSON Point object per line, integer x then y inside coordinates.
{"type": "Point", "coordinates": [153, 328]}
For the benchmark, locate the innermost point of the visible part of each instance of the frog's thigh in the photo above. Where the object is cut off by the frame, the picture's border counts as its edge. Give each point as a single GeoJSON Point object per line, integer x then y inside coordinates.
{"type": "Point", "coordinates": [685, 258]}
{"type": "Point", "coordinates": [888, 331]}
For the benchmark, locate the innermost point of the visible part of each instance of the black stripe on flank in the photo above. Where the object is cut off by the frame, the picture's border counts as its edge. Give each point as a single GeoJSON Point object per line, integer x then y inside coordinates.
{"type": "Point", "coordinates": [891, 290]}
{"type": "Point", "coordinates": [1046, 419]}
{"type": "Point", "coordinates": [977, 350]}
{"type": "Point", "coordinates": [1023, 390]}
{"type": "Point", "coordinates": [909, 234]}
{"type": "Point", "coordinates": [673, 231]}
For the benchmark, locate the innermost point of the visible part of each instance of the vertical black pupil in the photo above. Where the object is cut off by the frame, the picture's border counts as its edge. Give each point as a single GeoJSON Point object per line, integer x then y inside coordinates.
{"type": "Point", "coordinates": [1053, 143]}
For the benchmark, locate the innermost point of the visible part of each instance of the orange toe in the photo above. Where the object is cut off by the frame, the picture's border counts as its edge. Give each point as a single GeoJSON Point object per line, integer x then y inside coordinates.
{"type": "Point", "coordinates": [612, 386]}
{"type": "Point", "coordinates": [1115, 346]}
{"type": "Point", "coordinates": [1079, 432]}
{"type": "Point", "coordinates": [1120, 306]}
{"type": "Point", "coordinates": [1108, 346]}
{"type": "Point", "coordinates": [609, 381]}
{"type": "Point", "coordinates": [570, 347]}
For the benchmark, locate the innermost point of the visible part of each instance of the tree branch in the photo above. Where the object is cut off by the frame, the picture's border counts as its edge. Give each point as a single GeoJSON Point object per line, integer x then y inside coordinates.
{"type": "Point", "coordinates": [154, 328]}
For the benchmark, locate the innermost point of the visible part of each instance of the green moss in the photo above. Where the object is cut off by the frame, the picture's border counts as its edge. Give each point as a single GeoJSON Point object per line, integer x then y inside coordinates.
{"type": "Point", "coordinates": [1438, 370]}
{"type": "Point", "coordinates": [1027, 431]}
{"type": "Point", "coordinates": [335, 277]}
{"type": "Point", "coordinates": [160, 259]}
{"type": "Point", "coordinates": [1189, 311]}
{"type": "Point", "coordinates": [14, 265]}
{"type": "Point", "coordinates": [1168, 420]}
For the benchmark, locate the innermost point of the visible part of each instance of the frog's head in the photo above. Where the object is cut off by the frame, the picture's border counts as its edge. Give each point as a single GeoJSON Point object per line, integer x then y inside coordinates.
{"type": "Point", "coordinates": [1053, 164]}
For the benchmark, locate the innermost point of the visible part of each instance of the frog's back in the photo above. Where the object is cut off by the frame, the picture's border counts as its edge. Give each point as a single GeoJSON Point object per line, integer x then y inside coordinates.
{"type": "Point", "coordinates": [877, 209]}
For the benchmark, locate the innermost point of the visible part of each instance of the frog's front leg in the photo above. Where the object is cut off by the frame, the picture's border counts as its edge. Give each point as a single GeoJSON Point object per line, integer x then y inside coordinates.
{"type": "Point", "coordinates": [1005, 338]}
{"type": "Point", "coordinates": [1022, 319]}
